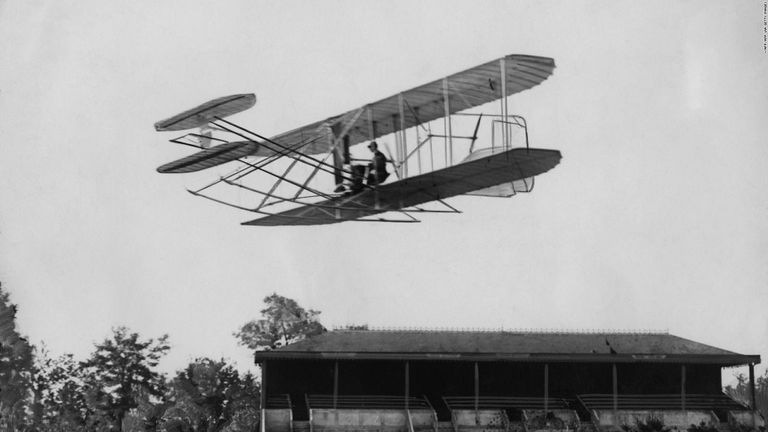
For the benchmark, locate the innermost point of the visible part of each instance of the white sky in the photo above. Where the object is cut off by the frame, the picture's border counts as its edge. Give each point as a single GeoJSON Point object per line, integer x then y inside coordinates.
{"type": "Point", "coordinates": [656, 217]}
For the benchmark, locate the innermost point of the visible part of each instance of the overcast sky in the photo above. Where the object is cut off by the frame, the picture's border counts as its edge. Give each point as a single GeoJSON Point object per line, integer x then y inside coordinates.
{"type": "Point", "coordinates": [655, 218]}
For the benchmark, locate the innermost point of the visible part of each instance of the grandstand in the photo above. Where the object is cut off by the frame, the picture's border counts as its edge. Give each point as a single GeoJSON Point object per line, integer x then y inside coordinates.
{"type": "Point", "coordinates": [452, 380]}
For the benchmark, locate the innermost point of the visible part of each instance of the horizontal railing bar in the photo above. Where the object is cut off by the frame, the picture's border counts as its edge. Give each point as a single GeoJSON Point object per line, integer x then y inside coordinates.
{"type": "Point", "coordinates": [500, 402]}
{"type": "Point", "coordinates": [502, 399]}
{"type": "Point", "coordinates": [357, 400]}
{"type": "Point", "coordinates": [278, 402]}
{"type": "Point", "coordinates": [659, 401]}
{"type": "Point", "coordinates": [325, 401]}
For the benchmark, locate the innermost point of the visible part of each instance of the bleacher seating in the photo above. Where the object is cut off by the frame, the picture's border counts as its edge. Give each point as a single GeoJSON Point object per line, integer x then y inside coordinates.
{"type": "Point", "coordinates": [501, 412]}
{"type": "Point", "coordinates": [329, 413]}
{"type": "Point", "coordinates": [675, 410]}
{"type": "Point", "coordinates": [277, 415]}
{"type": "Point", "coordinates": [550, 420]}
{"type": "Point", "coordinates": [381, 413]}
{"type": "Point", "coordinates": [739, 420]}
{"type": "Point", "coordinates": [480, 420]}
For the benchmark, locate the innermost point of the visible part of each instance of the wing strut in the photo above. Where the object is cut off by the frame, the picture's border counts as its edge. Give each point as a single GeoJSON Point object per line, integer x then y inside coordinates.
{"type": "Point", "coordinates": [336, 142]}
{"type": "Point", "coordinates": [415, 113]}
{"type": "Point", "coordinates": [304, 218]}
{"type": "Point", "coordinates": [250, 168]}
{"type": "Point", "coordinates": [277, 183]}
{"type": "Point", "coordinates": [453, 209]}
{"type": "Point", "coordinates": [288, 149]}
{"type": "Point", "coordinates": [315, 191]}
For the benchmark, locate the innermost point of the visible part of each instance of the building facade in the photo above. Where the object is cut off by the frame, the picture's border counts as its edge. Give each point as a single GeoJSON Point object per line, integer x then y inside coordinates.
{"type": "Point", "coordinates": [361, 380]}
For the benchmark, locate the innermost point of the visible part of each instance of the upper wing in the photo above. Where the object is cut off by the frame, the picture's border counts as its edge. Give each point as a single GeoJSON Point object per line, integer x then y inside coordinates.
{"type": "Point", "coordinates": [203, 114]}
{"type": "Point", "coordinates": [467, 89]}
{"type": "Point", "coordinates": [464, 90]}
{"type": "Point", "coordinates": [477, 174]}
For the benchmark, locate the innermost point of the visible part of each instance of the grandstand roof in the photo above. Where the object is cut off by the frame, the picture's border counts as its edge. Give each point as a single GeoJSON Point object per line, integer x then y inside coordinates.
{"type": "Point", "coordinates": [522, 346]}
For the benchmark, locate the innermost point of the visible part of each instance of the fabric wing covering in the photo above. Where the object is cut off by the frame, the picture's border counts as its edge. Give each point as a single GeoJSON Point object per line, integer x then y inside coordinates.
{"type": "Point", "coordinates": [509, 166]}
{"type": "Point", "coordinates": [211, 157]}
{"type": "Point", "coordinates": [468, 89]}
{"type": "Point", "coordinates": [201, 115]}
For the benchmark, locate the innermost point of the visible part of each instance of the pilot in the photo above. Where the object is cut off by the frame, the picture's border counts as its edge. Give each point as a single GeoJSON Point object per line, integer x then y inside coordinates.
{"type": "Point", "coordinates": [377, 168]}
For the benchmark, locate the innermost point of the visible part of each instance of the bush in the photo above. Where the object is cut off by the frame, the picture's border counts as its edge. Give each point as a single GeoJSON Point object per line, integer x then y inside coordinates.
{"type": "Point", "coordinates": [746, 428]}
{"type": "Point", "coordinates": [702, 427]}
{"type": "Point", "coordinates": [548, 421]}
{"type": "Point", "coordinates": [651, 424]}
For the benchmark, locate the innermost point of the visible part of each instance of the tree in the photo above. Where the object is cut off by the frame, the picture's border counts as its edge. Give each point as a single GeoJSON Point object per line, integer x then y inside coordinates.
{"type": "Point", "coordinates": [148, 415]}
{"type": "Point", "coordinates": [121, 372]}
{"type": "Point", "coordinates": [15, 368]}
{"type": "Point", "coordinates": [244, 420]}
{"type": "Point", "coordinates": [284, 322]}
{"type": "Point", "coordinates": [742, 392]}
{"type": "Point", "coordinates": [210, 395]}
{"type": "Point", "coordinates": [58, 389]}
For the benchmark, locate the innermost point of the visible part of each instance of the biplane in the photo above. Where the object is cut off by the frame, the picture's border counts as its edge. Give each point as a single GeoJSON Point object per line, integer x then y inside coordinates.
{"type": "Point", "coordinates": [452, 136]}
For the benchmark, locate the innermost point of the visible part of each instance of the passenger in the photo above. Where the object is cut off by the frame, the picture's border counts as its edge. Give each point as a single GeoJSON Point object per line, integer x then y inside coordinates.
{"type": "Point", "coordinates": [377, 168]}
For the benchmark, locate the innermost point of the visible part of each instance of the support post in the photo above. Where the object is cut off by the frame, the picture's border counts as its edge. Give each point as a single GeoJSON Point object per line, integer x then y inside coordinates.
{"type": "Point", "coordinates": [682, 387]}
{"type": "Point", "coordinates": [504, 112]}
{"type": "Point", "coordinates": [407, 383]}
{"type": "Point", "coordinates": [448, 131]}
{"type": "Point", "coordinates": [752, 386]}
{"type": "Point", "coordinates": [403, 142]}
{"type": "Point", "coordinates": [346, 159]}
{"type": "Point", "coordinates": [399, 155]}
{"type": "Point", "coordinates": [338, 156]}
{"type": "Point", "coordinates": [418, 138]}
{"type": "Point", "coordinates": [263, 400]}
{"type": "Point", "coordinates": [546, 388]}
{"type": "Point", "coordinates": [335, 383]}
{"type": "Point", "coordinates": [615, 391]}
{"type": "Point", "coordinates": [477, 387]}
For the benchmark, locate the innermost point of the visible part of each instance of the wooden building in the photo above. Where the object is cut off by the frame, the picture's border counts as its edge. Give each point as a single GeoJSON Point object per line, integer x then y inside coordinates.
{"type": "Point", "coordinates": [365, 380]}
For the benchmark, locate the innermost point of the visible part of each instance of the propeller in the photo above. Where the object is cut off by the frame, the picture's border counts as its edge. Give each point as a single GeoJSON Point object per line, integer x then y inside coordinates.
{"type": "Point", "coordinates": [474, 135]}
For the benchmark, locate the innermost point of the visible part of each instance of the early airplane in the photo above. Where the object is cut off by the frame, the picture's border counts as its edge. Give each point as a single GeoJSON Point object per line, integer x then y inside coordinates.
{"type": "Point", "coordinates": [294, 182]}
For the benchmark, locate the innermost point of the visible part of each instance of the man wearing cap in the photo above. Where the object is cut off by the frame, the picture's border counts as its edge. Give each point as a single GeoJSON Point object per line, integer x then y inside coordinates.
{"type": "Point", "coordinates": [377, 168]}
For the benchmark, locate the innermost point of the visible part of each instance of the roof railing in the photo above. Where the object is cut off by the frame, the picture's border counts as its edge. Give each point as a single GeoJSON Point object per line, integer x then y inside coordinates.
{"type": "Point", "coordinates": [366, 328]}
